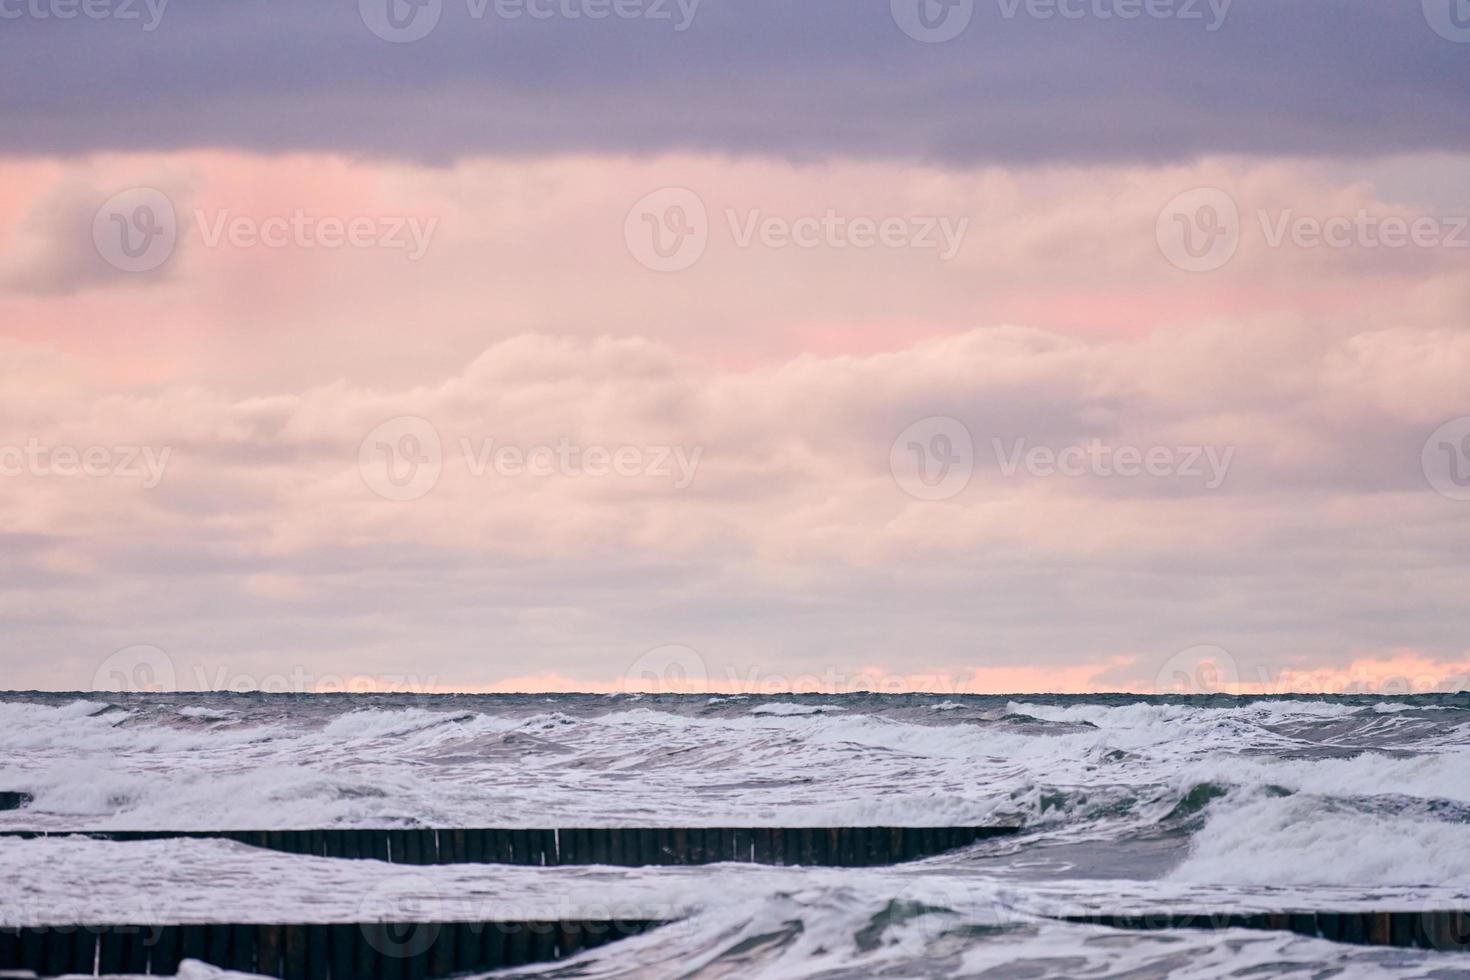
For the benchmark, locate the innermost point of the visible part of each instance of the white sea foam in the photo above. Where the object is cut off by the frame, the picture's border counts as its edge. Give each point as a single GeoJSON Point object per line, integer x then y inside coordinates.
{"type": "Point", "coordinates": [784, 709]}
{"type": "Point", "coordinates": [1257, 805]}
{"type": "Point", "coordinates": [1304, 840]}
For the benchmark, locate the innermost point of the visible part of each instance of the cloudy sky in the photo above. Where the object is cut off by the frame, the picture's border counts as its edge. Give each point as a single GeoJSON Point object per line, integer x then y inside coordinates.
{"type": "Point", "coordinates": [963, 345]}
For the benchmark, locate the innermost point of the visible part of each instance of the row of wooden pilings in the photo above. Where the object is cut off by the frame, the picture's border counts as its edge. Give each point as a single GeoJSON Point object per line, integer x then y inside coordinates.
{"type": "Point", "coordinates": [421, 950]}
{"type": "Point", "coordinates": [353, 951]}
{"type": "Point", "coordinates": [847, 847]}
{"type": "Point", "coordinates": [415, 950]}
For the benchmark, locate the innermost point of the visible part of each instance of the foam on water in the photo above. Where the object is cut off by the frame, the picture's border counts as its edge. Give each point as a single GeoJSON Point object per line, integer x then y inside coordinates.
{"type": "Point", "coordinates": [1128, 804]}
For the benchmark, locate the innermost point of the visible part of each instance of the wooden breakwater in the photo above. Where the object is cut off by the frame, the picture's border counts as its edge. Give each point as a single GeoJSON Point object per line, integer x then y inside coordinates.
{"type": "Point", "coordinates": [10, 800]}
{"type": "Point", "coordinates": [422, 950]}
{"type": "Point", "coordinates": [1445, 930]}
{"type": "Point", "coordinates": [351, 951]}
{"type": "Point", "coordinates": [846, 847]}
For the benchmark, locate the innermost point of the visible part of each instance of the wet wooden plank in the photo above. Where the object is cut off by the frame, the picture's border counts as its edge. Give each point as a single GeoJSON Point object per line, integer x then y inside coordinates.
{"type": "Point", "coordinates": [413, 847]}
{"type": "Point", "coordinates": [543, 942]}
{"type": "Point", "coordinates": [269, 949]}
{"type": "Point", "coordinates": [136, 943]}
{"type": "Point", "coordinates": [761, 852]}
{"type": "Point", "coordinates": [166, 954]}
{"type": "Point", "coordinates": [343, 954]}
{"type": "Point", "coordinates": [518, 945]}
{"type": "Point", "coordinates": [60, 951]}
{"type": "Point", "coordinates": [193, 942]}
{"type": "Point", "coordinates": [369, 940]}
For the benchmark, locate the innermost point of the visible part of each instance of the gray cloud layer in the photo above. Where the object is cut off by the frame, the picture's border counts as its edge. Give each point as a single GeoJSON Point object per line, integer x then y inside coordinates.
{"type": "Point", "coordinates": [772, 76]}
{"type": "Point", "coordinates": [798, 547]}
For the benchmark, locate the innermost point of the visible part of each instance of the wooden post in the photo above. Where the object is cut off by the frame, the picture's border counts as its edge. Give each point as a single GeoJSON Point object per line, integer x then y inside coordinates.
{"type": "Point", "coordinates": [165, 956]}
{"type": "Point", "coordinates": [370, 938]}
{"type": "Point", "coordinates": [518, 942]}
{"type": "Point", "coordinates": [293, 961]}
{"type": "Point", "coordinates": [268, 950]}
{"type": "Point", "coordinates": [343, 955]}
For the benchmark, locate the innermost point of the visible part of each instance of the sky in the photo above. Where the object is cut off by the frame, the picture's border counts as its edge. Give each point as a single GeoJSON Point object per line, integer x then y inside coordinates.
{"type": "Point", "coordinates": [970, 346]}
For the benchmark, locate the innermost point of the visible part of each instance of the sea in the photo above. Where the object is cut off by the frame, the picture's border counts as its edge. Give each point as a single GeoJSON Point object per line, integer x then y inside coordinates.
{"type": "Point", "coordinates": [1127, 804]}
